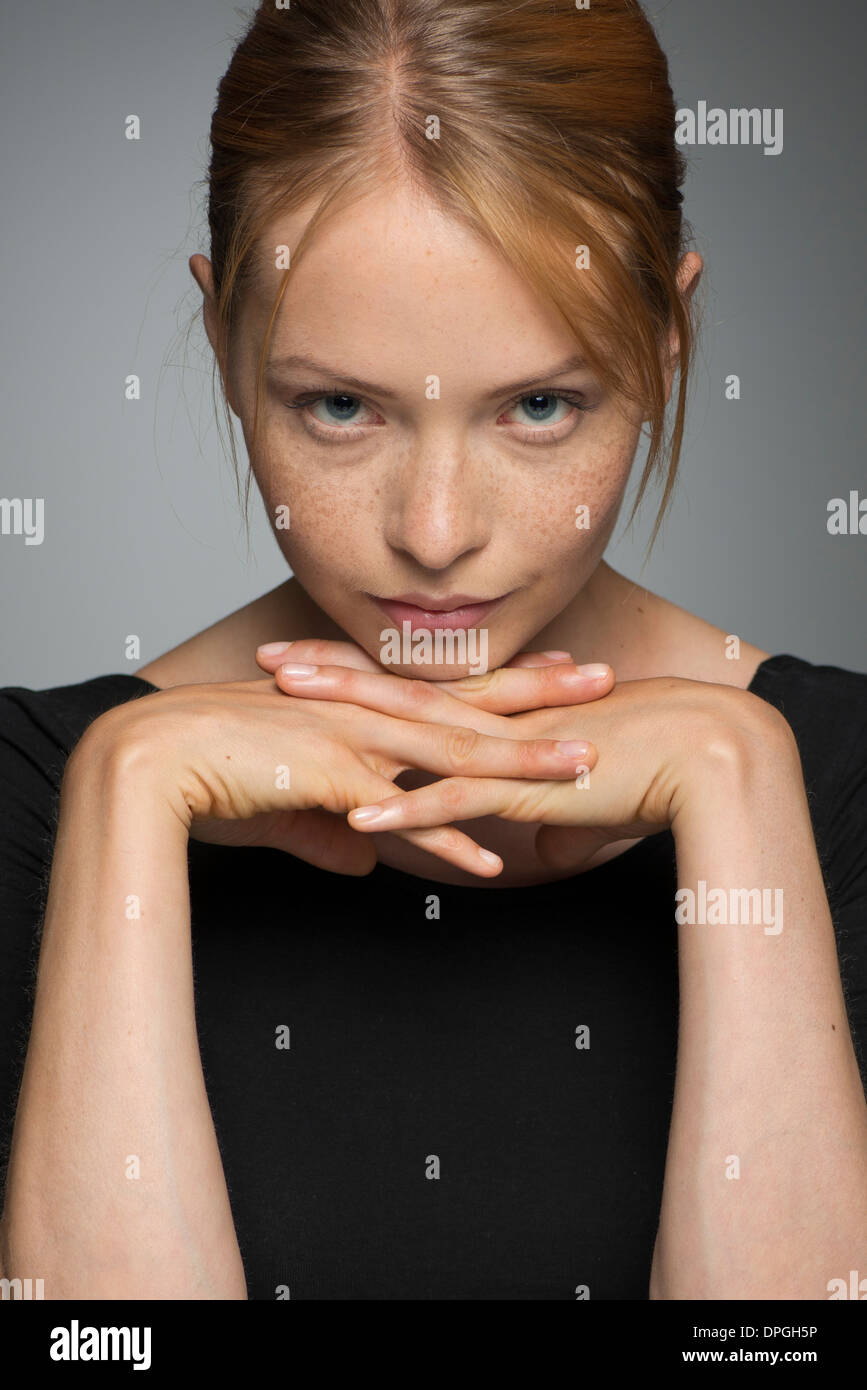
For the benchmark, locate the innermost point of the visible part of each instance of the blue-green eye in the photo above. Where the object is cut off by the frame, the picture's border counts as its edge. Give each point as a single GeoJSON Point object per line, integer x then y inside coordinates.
{"type": "Point", "coordinates": [541, 408]}
{"type": "Point", "coordinates": [340, 409]}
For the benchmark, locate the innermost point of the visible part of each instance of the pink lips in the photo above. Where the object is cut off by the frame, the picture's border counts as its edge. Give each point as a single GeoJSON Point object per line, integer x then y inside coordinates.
{"type": "Point", "coordinates": [464, 612]}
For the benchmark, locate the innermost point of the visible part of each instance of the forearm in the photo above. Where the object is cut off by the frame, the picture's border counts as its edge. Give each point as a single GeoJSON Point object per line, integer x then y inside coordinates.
{"type": "Point", "coordinates": [765, 1192]}
{"type": "Point", "coordinates": [115, 1186]}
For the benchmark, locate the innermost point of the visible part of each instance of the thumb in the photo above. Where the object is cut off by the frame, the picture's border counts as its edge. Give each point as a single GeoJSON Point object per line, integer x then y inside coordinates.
{"type": "Point", "coordinates": [317, 651]}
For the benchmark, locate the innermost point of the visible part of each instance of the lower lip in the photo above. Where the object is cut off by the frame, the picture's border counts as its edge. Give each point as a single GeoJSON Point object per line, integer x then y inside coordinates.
{"type": "Point", "coordinates": [469, 616]}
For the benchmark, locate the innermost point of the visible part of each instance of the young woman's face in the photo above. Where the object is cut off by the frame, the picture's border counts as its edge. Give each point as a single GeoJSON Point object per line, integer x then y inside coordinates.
{"type": "Point", "coordinates": [423, 432]}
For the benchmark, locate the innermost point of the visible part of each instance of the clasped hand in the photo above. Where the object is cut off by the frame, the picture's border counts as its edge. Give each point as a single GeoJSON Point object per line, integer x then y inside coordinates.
{"type": "Point", "coordinates": [639, 748]}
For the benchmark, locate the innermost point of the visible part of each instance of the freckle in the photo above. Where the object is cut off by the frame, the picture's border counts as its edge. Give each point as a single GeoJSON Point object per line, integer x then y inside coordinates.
{"type": "Point", "coordinates": [833, 1027]}
{"type": "Point", "coordinates": [228, 757]}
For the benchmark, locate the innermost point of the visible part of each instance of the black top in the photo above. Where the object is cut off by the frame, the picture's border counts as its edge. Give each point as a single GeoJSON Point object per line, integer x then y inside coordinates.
{"type": "Point", "coordinates": [416, 1037]}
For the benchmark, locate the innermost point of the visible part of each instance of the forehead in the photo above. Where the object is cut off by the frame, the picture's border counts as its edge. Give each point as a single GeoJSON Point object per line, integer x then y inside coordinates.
{"type": "Point", "coordinates": [393, 277]}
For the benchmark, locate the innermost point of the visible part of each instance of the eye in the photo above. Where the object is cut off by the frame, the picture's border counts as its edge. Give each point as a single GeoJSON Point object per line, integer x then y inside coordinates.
{"type": "Point", "coordinates": [337, 410]}
{"type": "Point", "coordinates": [338, 413]}
{"type": "Point", "coordinates": [541, 409]}
{"type": "Point", "coordinates": [545, 416]}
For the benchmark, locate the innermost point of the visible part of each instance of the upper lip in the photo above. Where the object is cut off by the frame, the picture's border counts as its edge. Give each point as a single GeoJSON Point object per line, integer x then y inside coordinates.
{"type": "Point", "coordinates": [437, 605]}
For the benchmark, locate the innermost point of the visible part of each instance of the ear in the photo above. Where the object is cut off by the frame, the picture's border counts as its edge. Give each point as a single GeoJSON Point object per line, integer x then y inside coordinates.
{"type": "Point", "coordinates": [688, 275]}
{"type": "Point", "coordinates": [203, 274]}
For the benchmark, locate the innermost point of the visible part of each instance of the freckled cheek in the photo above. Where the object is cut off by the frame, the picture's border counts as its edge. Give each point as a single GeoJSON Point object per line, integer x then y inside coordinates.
{"type": "Point", "coordinates": [317, 525]}
{"type": "Point", "coordinates": [600, 479]}
{"type": "Point", "coordinates": [567, 516]}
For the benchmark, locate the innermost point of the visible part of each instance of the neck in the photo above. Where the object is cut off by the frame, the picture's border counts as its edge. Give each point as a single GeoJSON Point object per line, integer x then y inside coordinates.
{"type": "Point", "coordinates": [610, 619]}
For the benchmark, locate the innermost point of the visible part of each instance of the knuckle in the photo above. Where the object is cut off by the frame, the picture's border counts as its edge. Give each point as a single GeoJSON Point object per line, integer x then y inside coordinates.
{"type": "Point", "coordinates": [461, 745]}
{"type": "Point", "coordinates": [479, 685]}
{"type": "Point", "coordinates": [446, 838]}
{"type": "Point", "coordinates": [416, 694]}
{"type": "Point", "coordinates": [549, 678]}
{"type": "Point", "coordinates": [452, 796]}
{"type": "Point", "coordinates": [528, 754]}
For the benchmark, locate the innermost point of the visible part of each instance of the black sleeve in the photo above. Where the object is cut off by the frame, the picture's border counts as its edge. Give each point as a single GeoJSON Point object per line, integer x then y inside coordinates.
{"type": "Point", "coordinates": [842, 842]}
{"type": "Point", "coordinates": [826, 707]}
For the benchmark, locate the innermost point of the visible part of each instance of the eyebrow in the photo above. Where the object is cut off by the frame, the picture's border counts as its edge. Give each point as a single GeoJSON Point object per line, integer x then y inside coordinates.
{"type": "Point", "coordinates": [291, 363]}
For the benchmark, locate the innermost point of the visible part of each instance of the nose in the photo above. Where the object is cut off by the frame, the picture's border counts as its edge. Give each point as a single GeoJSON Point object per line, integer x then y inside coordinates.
{"type": "Point", "coordinates": [440, 504]}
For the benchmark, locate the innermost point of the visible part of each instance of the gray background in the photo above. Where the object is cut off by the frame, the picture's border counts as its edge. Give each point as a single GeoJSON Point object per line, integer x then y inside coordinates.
{"type": "Point", "coordinates": [143, 529]}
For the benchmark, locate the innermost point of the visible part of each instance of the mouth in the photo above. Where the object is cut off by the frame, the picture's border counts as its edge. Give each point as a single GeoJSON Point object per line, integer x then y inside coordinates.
{"type": "Point", "coordinates": [453, 611]}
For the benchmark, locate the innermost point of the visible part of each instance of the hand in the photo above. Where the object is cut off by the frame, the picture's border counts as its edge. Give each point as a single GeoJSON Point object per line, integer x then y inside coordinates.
{"type": "Point", "coordinates": [493, 691]}
{"type": "Point", "coordinates": [497, 692]}
{"type": "Point", "coordinates": [656, 738]}
{"type": "Point", "coordinates": [503, 691]}
{"type": "Point", "coordinates": [658, 742]}
{"type": "Point", "coordinates": [242, 763]}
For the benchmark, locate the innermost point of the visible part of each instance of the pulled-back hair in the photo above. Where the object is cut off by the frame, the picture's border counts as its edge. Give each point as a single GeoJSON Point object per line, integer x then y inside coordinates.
{"type": "Point", "coordinates": [556, 131]}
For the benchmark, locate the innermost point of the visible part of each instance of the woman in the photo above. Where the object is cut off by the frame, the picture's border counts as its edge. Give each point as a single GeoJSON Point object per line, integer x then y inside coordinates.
{"type": "Point", "coordinates": [283, 1046]}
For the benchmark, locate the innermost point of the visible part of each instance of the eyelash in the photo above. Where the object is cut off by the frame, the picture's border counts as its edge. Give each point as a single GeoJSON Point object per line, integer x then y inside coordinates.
{"type": "Point", "coordinates": [340, 435]}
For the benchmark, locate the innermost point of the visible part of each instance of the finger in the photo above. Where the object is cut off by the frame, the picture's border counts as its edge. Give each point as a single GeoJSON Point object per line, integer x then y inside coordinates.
{"type": "Point", "coordinates": [502, 691]}
{"type": "Point", "coordinates": [328, 842]}
{"type": "Point", "coordinates": [398, 696]}
{"type": "Point", "coordinates": [457, 798]}
{"type": "Point", "coordinates": [448, 843]}
{"type": "Point", "coordinates": [457, 750]}
{"type": "Point", "coordinates": [438, 838]}
{"type": "Point", "coordinates": [454, 750]}
{"type": "Point", "coordinates": [537, 659]}
{"type": "Point", "coordinates": [533, 685]}
{"type": "Point", "coordinates": [313, 649]}
{"type": "Point", "coordinates": [324, 652]}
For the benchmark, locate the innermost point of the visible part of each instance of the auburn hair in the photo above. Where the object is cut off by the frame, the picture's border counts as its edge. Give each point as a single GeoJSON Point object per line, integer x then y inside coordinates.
{"type": "Point", "coordinates": [554, 130]}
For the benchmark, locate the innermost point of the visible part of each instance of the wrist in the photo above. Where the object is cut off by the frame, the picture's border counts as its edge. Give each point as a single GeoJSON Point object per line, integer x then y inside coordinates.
{"type": "Point", "coordinates": [736, 751]}
{"type": "Point", "coordinates": [113, 767]}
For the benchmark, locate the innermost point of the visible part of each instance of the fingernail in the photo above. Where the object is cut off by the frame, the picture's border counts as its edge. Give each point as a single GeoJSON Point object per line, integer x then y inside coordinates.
{"type": "Point", "coordinates": [594, 670]}
{"type": "Point", "coordinates": [489, 857]}
{"type": "Point", "coordinates": [575, 748]}
{"type": "Point", "coordinates": [367, 813]}
{"type": "Point", "coordinates": [561, 656]}
{"type": "Point", "coordinates": [273, 648]}
{"type": "Point", "coordinates": [297, 668]}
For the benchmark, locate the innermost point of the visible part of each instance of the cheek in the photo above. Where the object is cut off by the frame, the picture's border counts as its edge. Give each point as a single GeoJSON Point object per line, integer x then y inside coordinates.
{"type": "Point", "coordinates": [569, 513]}
{"type": "Point", "coordinates": [319, 523]}
{"type": "Point", "coordinates": [599, 484]}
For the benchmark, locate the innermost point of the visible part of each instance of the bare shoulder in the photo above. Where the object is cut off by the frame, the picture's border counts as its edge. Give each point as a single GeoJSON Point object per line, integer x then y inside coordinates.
{"type": "Point", "coordinates": [225, 651]}
{"type": "Point", "coordinates": [673, 641]}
